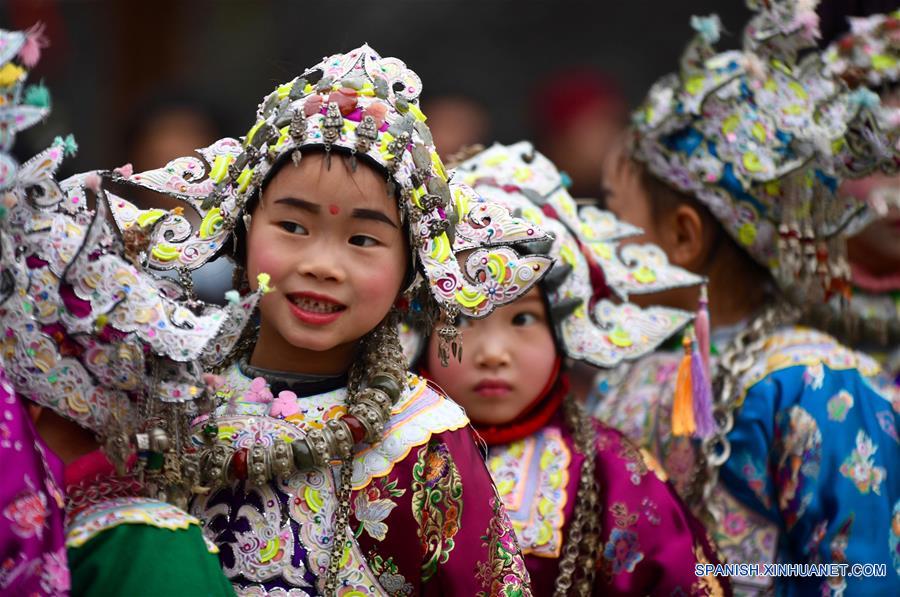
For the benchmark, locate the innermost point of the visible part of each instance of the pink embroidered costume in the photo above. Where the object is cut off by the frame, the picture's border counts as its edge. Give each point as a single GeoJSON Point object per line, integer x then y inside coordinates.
{"type": "Point", "coordinates": [592, 512]}
{"type": "Point", "coordinates": [88, 334]}
{"type": "Point", "coordinates": [32, 539]}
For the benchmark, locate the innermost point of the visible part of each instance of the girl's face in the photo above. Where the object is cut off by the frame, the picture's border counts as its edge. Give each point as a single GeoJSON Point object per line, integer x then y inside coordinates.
{"type": "Point", "coordinates": [507, 361]}
{"type": "Point", "coordinates": [332, 242]}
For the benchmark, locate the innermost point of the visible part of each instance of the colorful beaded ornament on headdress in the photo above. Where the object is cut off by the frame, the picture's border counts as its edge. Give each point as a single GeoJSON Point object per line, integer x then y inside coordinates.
{"type": "Point", "coordinates": [763, 141]}
{"type": "Point", "coordinates": [92, 336]}
{"type": "Point", "coordinates": [367, 106]}
{"type": "Point", "coordinates": [602, 331]}
{"type": "Point", "coordinates": [20, 106]}
{"type": "Point", "coordinates": [870, 54]}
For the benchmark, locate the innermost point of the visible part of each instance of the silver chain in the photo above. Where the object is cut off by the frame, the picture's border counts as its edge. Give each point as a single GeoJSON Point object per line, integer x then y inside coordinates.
{"type": "Point", "coordinates": [735, 361]}
{"type": "Point", "coordinates": [582, 546]}
{"type": "Point", "coordinates": [341, 522]}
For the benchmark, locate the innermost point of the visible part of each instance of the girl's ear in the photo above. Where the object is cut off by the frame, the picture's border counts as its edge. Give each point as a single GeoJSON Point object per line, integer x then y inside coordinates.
{"type": "Point", "coordinates": [689, 244]}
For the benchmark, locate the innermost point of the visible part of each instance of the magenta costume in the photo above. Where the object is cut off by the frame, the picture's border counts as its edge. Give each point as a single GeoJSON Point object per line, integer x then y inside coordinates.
{"type": "Point", "coordinates": [650, 543]}
{"type": "Point", "coordinates": [32, 507]}
{"type": "Point", "coordinates": [424, 518]}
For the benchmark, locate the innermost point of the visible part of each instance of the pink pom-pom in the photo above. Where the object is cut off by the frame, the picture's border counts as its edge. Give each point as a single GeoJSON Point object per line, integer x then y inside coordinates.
{"type": "Point", "coordinates": [809, 21]}
{"type": "Point", "coordinates": [125, 171]}
{"type": "Point", "coordinates": [30, 52]}
{"type": "Point", "coordinates": [213, 382]}
{"type": "Point", "coordinates": [92, 182]}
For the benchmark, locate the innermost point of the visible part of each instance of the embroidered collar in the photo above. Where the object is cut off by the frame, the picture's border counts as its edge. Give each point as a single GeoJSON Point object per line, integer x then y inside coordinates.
{"type": "Point", "coordinates": [92, 479]}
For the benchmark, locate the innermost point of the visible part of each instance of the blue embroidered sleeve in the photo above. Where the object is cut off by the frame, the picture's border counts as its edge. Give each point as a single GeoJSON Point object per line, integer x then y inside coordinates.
{"type": "Point", "coordinates": [815, 449]}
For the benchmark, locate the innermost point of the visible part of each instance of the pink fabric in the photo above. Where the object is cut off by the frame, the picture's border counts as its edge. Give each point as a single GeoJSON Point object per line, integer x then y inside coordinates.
{"type": "Point", "coordinates": [32, 506]}
{"type": "Point", "coordinates": [654, 552]}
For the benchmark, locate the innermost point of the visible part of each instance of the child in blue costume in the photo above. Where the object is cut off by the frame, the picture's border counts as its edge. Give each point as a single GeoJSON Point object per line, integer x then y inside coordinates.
{"type": "Point", "coordinates": [732, 170]}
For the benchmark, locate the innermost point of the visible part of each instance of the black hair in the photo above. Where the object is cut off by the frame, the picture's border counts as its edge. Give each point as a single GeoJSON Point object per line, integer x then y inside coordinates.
{"type": "Point", "coordinates": [664, 199]}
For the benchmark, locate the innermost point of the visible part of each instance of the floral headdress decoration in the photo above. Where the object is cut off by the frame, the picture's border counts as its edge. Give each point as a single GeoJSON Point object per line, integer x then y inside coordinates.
{"type": "Point", "coordinates": [593, 275]}
{"type": "Point", "coordinates": [763, 139]}
{"type": "Point", "coordinates": [869, 54]}
{"type": "Point", "coordinates": [20, 106]}
{"type": "Point", "coordinates": [91, 335]}
{"type": "Point", "coordinates": [365, 105]}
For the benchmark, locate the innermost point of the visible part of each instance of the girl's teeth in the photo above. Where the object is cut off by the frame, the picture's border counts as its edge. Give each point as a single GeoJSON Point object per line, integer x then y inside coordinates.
{"type": "Point", "coordinates": [316, 306]}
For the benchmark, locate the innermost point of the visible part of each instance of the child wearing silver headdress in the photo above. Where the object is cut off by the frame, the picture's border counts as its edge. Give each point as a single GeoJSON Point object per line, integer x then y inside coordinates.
{"type": "Point", "coordinates": [869, 56]}
{"type": "Point", "coordinates": [733, 170]}
{"type": "Point", "coordinates": [592, 512]}
{"type": "Point", "coordinates": [105, 360]}
{"type": "Point", "coordinates": [330, 469]}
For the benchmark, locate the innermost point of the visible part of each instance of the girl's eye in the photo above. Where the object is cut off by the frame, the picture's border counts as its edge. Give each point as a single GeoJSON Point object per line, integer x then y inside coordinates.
{"type": "Point", "coordinates": [360, 240]}
{"type": "Point", "coordinates": [293, 227]}
{"type": "Point", "coordinates": [522, 319]}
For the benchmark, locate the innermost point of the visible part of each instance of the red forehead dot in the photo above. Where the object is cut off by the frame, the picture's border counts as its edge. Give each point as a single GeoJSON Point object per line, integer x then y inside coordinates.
{"type": "Point", "coordinates": [334, 210]}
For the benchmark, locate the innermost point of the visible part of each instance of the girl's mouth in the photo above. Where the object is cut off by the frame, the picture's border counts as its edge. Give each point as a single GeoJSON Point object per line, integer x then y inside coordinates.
{"type": "Point", "coordinates": [314, 309]}
{"type": "Point", "coordinates": [493, 388]}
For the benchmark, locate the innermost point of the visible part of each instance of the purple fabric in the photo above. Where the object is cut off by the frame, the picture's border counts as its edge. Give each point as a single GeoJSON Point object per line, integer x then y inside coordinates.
{"type": "Point", "coordinates": [650, 541]}
{"type": "Point", "coordinates": [32, 507]}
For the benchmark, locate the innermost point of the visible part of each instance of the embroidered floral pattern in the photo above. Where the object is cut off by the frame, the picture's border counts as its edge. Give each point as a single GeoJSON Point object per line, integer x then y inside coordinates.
{"type": "Point", "coordinates": [651, 511]}
{"type": "Point", "coordinates": [27, 513]}
{"type": "Point", "coordinates": [757, 480]}
{"type": "Point", "coordinates": [373, 505]}
{"type": "Point", "coordinates": [860, 466]}
{"type": "Point", "coordinates": [504, 573]}
{"type": "Point", "coordinates": [839, 405]}
{"type": "Point", "coordinates": [744, 536]}
{"type": "Point", "coordinates": [55, 577]}
{"type": "Point", "coordinates": [436, 504]}
{"type": "Point", "coordinates": [814, 376]}
{"type": "Point", "coordinates": [886, 422]}
{"type": "Point", "coordinates": [800, 455]}
{"type": "Point", "coordinates": [531, 476]}
{"type": "Point", "coordinates": [634, 461]}
{"type": "Point", "coordinates": [389, 576]}
{"type": "Point", "coordinates": [622, 551]}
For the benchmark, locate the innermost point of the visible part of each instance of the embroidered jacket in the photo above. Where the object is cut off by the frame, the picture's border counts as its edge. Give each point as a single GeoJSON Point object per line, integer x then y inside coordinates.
{"type": "Point", "coordinates": [119, 543]}
{"type": "Point", "coordinates": [814, 471]}
{"type": "Point", "coordinates": [650, 542]}
{"type": "Point", "coordinates": [32, 527]}
{"type": "Point", "coordinates": [425, 519]}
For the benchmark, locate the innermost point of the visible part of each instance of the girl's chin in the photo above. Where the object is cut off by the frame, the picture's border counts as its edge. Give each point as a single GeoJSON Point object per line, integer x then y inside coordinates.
{"type": "Point", "coordinates": [315, 343]}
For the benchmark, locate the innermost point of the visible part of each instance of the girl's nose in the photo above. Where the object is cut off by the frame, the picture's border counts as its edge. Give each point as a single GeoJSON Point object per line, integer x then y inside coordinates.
{"type": "Point", "coordinates": [321, 264]}
{"type": "Point", "coordinates": [492, 355]}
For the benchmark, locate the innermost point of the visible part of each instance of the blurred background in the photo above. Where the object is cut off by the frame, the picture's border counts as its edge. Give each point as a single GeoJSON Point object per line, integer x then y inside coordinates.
{"type": "Point", "coordinates": [143, 82]}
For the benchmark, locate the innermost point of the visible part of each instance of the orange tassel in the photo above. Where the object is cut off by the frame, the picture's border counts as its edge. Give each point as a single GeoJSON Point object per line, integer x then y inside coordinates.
{"type": "Point", "coordinates": [683, 405]}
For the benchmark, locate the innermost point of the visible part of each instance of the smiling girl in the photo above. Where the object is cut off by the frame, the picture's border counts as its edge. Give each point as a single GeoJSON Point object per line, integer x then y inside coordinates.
{"type": "Point", "coordinates": [331, 469]}
{"type": "Point", "coordinates": [593, 514]}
